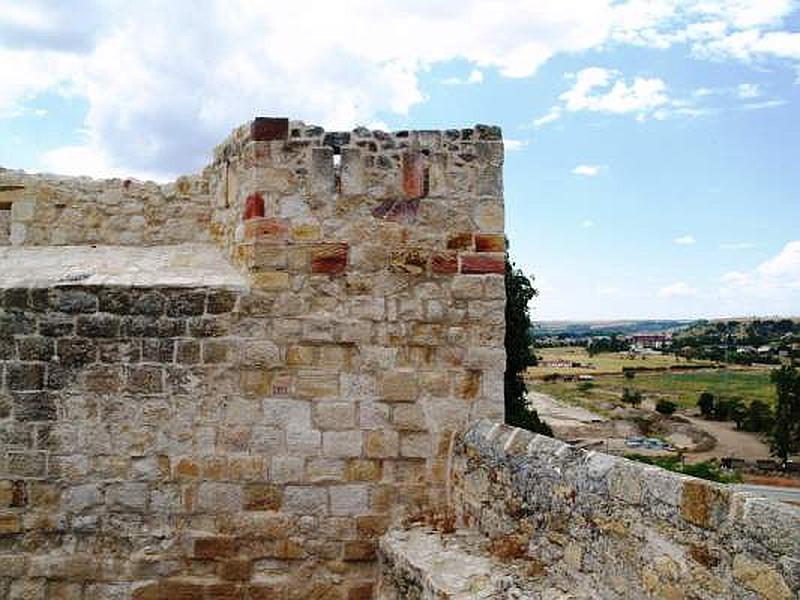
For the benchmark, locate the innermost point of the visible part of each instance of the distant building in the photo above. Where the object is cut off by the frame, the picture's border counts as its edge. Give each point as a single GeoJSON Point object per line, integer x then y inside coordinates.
{"type": "Point", "coordinates": [655, 341]}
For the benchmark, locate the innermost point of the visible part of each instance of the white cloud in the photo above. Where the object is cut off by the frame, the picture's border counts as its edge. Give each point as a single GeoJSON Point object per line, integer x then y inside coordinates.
{"type": "Point", "coordinates": [678, 289]}
{"type": "Point", "coordinates": [773, 287]}
{"type": "Point", "coordinates": [737, 246]}
{"type": "Point", "coordinates": [513, 145]}
{"type": "Point", "coordinates": [601, 90]}
{"type": "Point", "coordinates": [684, 240]}
{"type": "Point", "coordinates": [475, 76]}
{"type": "Point", "coordinates": [161, 93]}
{"type": "Point", "coordinates": [748, 90]}
{"type": "Point", "coordinates": [774, 103]}
{"type": "Point", "coordinates": [552, 115]}
{"type": "Point", "coordinates": [785, 266]}
{"type": "Point", "coordinates": [587, 224]}
{"type": "Point", "coordinates": [586, 170]}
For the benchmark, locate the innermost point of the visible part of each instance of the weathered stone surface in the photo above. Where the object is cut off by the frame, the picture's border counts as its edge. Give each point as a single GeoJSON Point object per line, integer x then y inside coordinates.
{"type": "Point", "coordinates": [617, 527]}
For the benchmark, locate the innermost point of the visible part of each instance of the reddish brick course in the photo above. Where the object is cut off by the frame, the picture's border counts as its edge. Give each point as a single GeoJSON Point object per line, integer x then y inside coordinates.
{"type": "Point", "coordinates": [413, 175]}
{"type": "Point", "coordinates": [331, 259]}
{"type": "Point", "coordinates": [482, 263]}
{"type": "Point", "coordinates": [254, 206]}
{"type": "Point", "coordinates": [267, 129]}
{"type": "Point", "coordinates": [444, 263]}
{"type": "Point", "coordinates": [271, 229]}
{"type": "Point", "coordinates": [490, 242]}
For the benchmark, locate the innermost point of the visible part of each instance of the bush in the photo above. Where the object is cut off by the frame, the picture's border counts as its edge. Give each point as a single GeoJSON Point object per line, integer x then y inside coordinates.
{"type": "Point", "coordinates": [585, 386]}
{"type": "Point", "coordinates": [706, 404]}
{"type": "Point", "coordinates": [666, 407]}
{"type": "Point", "coordinates": [632, 397]}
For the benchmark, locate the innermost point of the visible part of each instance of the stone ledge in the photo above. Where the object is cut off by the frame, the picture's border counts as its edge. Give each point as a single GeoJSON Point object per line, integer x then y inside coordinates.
{"type": "Point", "coordinates": [428, 565]}
{"type": "Point", "coordinates": [181, 265]}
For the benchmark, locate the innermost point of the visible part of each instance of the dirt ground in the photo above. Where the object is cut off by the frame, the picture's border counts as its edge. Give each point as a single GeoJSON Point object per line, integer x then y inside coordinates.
{"type": "Point", "coordinates": [574, 423]}
{"type": "Point", "coordinates": [730, 442]}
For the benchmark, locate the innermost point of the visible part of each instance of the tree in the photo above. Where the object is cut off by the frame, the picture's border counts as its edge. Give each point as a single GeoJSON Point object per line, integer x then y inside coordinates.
{"type": "Point", "coordinates": [666, 407]}
{"type": "Point", "coordinates": [785, 435]}
{"type": "Point", "coordinates": [519, 351]}
{"type": "Point", "coordinates": [738, 412]}
{"type": "Point", "coordinates": [706, 404]}
{"type": "Point", "coordinates": [722, 410]}
{"type": "Point", "coordinates": [758, 417]}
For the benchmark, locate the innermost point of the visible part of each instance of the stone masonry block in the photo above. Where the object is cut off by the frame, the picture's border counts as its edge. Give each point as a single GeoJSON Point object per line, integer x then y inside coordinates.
{"type": "Point", "coordinates": [482, 263]}
{"type": "Point", "coordinates": [398, 386]}
{"type": "Point", "coordinates": [315, 384]}
{"type": "Point", "coordinates": [329, 259]}
{"type": "Point", "coordinates": [341, 444]}
{"type": "Point", "coordinates": [25, 376]}
{"type": "Point", "coordinates": [381, 443]}
{"type": "Point", "coordinates": [334, 415]}
{"type": "Point", "coordinates": [485, 242]}
{"type": "Point", "coordinates": [349, 500]}
{"type": "Point", "coordinates": [219, 497]}
{"type": "Point", "coordinates": [267, 129]}
{"type": "Point", "coordinates": [305, 500]}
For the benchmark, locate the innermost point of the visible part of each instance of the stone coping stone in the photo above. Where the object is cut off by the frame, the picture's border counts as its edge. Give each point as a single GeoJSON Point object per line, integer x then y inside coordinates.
{"type": "Point", "coordinates": [182, 265]}
{"type": "Point", "coordinates": [430, 565]}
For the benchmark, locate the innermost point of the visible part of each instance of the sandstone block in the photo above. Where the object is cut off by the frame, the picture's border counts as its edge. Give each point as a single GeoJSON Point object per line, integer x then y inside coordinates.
{"type": "Point", "coordinates": [330, 416]}
{"type": "Point", "coordinates": [287, 413]}
{"type": "Point", "coordinates": [301, 441]}
{"type": "Point", "coordinates": [341, 444]}
{"type": "Point", "coordinates": [285, 469]}
{"type": "Point", "coordinates": [398, 386]}
{"type": "Point", "coordinates": [325, 469]}
{"type": "Point", "coordinates": [219, 497]}
{"type": "Point", "coordinates": [381, 444]}
{"type": "Point", "coordinates": [262, 496]}
{"type": "Point", "coordinates": [360, 550]}
{"type": "Point", "coordinates": [316, 384]}
{"type": "Point", "coordinates": [330, 258]}
{"type": "Point", "coordinates": [270, 280]}
{"type": "Point", "coordinates": [416, 445]}
{"type": "Point", "coordinates": [359, 469]}
{"type": "Point", "coordinates": [482, 263]}
{"type": "Point", "coordinates": [126, 497]}
{"type": "Point", "coordinates": [305, 500]}
{"type": "Point", "coordinates": [347, 500]}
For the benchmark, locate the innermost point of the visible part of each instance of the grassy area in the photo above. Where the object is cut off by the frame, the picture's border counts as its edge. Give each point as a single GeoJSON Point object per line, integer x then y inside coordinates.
{"type": "Point", "coordinates": [685, 388]}
{"type": "Point", "coordinates": [704, 470]}
{"type": "Point", "coordinates": [601, 364]}
{"type": "Point", "coordinates": [681, 388]}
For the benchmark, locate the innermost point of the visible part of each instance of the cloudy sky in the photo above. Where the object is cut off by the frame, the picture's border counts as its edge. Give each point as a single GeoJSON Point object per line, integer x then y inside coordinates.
{"type": "Point", "coordinates": [653, 147]}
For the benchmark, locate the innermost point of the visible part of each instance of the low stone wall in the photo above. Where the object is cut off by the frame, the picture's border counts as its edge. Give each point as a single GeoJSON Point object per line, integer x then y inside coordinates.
{"type": "Point", "coordinates": [620, 528]}
{"type": "Point", "coordinates": [51, 210]}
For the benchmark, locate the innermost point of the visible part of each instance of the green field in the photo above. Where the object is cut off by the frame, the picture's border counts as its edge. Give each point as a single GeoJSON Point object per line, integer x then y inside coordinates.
{"type": "Point", "coordinates": [604, 363]}
{"type": "Point", "coordinates": [682, 388]}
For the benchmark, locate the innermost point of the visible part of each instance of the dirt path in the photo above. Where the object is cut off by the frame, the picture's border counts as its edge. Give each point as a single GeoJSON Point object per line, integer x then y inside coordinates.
{"type": "Point", "coordinates": [559, 413]}
{"type": "Point", "coordinates": [730, 442]}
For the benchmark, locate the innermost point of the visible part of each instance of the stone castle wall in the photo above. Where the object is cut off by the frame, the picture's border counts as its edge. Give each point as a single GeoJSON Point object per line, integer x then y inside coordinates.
{"type": "Point", "coordinates": [178, 439]}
